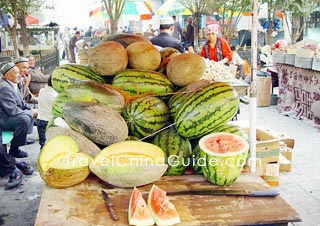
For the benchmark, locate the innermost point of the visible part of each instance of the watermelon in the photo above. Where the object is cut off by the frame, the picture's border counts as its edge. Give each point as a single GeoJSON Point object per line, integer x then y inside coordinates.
{"type": "Point", "coordinates": [134, 81]}
{"type": "Point", "coordinates": [177, 150]}
{"type": "Point", "coordinates": [145, 116]}
{"type": "Point", "coordinates": [175, 101]}
{"type": "Point", "coordinates": [162, 210]}
{"type": "Point", "coordinates": [65, 74]}
{"type": "Point", "coordinates": [204, 111]}
{"type": "Point", "coordinates": [138, 212]}
{"type": "Point", "coordinates": [225, 155]}
{"type": "Point", "coordinates": [59, 102]}
{"type": "Point", "coordinates": [197, 162]}
{"type": "Point", "coordinates": [229, 128]}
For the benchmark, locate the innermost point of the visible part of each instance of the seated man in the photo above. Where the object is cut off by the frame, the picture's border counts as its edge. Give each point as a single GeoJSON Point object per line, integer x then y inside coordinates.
{"type": "Point", "coordinates": [165, 39]}
{"type": "Point", "coordinates": [24, 79]}
{"type": "Point", "coordinates": [15, 114]}
{"type": "Point", "coordinates": [8, 165]}
{"type": "Point", "coordinates": [38, 79]}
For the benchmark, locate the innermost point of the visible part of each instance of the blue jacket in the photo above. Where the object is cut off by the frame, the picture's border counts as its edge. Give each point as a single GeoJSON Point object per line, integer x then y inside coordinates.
{"type": "Point", "coordinates": [166, 40]}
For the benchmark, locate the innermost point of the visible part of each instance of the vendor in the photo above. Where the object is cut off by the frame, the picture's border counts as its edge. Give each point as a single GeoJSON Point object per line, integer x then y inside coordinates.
{"type": "Point", "coordinates": [38, 79]}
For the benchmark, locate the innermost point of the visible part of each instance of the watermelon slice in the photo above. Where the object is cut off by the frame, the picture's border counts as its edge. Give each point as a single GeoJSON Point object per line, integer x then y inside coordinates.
{"type": "Point", "coordinates": [162, 210]}
{"type": "Point", "coordinates": [138, 213]}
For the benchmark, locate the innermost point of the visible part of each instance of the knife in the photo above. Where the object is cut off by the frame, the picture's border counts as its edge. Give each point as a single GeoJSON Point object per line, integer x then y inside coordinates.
{"type": "Point", "coordinates": [110, 206]}
{"type": "Point", "coordinates": [262, 193]}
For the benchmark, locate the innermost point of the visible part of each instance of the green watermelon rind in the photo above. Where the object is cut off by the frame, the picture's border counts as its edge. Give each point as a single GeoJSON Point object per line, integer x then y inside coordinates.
{"type": "Point", "coordinates": [176, 148]}
{"type": "Point", "coordinates": [223, 169]}
{"type": "Point", "coordinates": [203, 111]}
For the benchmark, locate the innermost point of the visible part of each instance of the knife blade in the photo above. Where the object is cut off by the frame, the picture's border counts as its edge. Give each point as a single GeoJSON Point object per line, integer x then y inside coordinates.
{"type": "Point", "coordinates": [258, 193]}
{"type": "Point", "coordinates": [110, 206]}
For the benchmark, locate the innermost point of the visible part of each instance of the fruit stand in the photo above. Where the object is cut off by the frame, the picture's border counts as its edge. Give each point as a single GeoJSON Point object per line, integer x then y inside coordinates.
{"type": "Point", "coordinates": [84, 205]}
{"type": "Point", "coordinates": [138, 117]}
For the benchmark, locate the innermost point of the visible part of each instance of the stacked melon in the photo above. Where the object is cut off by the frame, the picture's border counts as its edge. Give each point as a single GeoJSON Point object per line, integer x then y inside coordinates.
{"type": "Point", "coordinates": [131, 91]}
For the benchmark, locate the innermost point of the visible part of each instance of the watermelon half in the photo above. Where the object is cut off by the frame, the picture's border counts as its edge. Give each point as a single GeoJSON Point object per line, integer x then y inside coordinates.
{"type": "Point", "coordinates": [223, 155]}
{"type": "Point", "coordinates": [138, 213]}
{"type": "Point", "coordinates": [162, 210]}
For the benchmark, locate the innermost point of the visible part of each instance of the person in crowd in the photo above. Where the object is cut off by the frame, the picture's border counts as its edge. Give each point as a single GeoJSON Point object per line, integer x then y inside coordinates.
{"type": "Point", "coordinates": [190, 34]}
{"type": "Point", "coordinates": [65, 40]}
{"type": "Point", "coordinates": [236, 60]}
{"type": "Point", "coordinates": [46, 98]}
{"type": "Point", "coordinates": [38, 79]}
{"type": "Point", "coordinates": [24, 79]}
{"type": "Point", "coordinates": [177, 31]}
{"type": "Point", "coordinates": [72, 47]}
{"type": "Point", "coordinates": [89, 32]}
{"type": "Point", "coordinates": [12, 167]}
{"type": "Point", "coordinates": [216, 49]}
{"type": "Point", "coordinates": [15, 114]}
{"type": "Point", "coordinates": [165, 39]}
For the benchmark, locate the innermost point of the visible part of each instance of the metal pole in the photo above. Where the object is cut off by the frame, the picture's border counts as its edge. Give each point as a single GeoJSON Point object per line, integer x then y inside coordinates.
{"type": "Point", "coordinates": [253, 89]}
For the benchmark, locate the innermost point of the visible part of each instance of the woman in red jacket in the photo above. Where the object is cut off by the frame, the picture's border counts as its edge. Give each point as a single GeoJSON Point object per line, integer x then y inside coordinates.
{"type": "Point", "coordinates": [215, 48]}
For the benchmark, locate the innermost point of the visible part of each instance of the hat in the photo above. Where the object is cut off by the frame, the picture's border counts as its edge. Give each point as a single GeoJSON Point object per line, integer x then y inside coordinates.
{"type": "Point", "coordinates": [7, 67]}
{"type": "Point", "coordinates": [212, 29]}
{"type": "Point", "coordinates": [21, 59]}
{"type": "Point", "coordinates": [166, 20]}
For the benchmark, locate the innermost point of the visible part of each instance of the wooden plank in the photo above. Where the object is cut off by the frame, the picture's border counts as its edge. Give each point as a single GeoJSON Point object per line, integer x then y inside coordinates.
{"type": "Point", "coordinates": [83, 204]}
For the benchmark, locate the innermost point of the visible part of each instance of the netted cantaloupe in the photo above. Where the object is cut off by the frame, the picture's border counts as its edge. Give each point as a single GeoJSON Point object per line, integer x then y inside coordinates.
{"type": "Point", "coordinates": [185, 68]}
{"type": "Point", "coordinates": [107, 58]}
{"type": "Point", "coordinates": [126, 39]}
{"type": "Point", "coordinates": [143, 55]}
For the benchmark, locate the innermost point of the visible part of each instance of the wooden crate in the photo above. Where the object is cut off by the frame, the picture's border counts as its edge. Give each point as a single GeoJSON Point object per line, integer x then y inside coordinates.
{"type": "Point", "coordinates": [289, 59]}
{"type": "Point", "coordinates": [316, 64]}
{"type": "Point", "coordinates": [278, 57]}
{"type": "Point", "coordinates": [303, 62]}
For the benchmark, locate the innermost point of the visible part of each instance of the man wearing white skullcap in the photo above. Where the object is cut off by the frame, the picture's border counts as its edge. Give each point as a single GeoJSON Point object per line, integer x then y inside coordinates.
{"type": "Point", "coordinates": [165, 39]}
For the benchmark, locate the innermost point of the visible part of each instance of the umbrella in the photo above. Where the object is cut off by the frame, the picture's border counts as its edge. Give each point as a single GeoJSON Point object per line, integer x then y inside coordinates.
{"type": "Point", "coordinates": [172, 7]}
{"type": "Point", "coordinates": [30, 20]}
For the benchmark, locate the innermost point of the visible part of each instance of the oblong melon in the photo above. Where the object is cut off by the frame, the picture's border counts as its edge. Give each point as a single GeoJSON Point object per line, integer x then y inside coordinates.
{"type": "Point", "coordinates": [224, 156]}
{"type": "Point", "coordinates": [97, 122]}
{"type": "Point", "coordinates": [120, 163]}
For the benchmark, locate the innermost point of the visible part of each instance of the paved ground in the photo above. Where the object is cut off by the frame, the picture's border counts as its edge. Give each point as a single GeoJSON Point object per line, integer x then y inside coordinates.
{"type": "Point", "coordinates": [300, 188]}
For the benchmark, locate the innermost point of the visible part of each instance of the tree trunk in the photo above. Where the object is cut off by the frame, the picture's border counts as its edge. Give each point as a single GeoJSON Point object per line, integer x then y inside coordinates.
{"type": "Point", "coordinates": [269, 32]}
{"type": "Point", "coordinates": [301, 30]}
{"type": "Point", "coordinates": [14, 41]}
{"type": "Point", "coordinates": [197, 19]}
{"type": "Point", "coordinates": [24, 34]}
{"type": "Point", "coordinates": [113, 26]}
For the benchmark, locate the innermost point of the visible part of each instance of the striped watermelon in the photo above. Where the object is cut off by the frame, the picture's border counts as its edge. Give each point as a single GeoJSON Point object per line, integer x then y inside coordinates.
{"type": "Point", "coordinates": [176, 100]}
{"type": "Point", "coordinates": [134, 81]}
{"type": "Point", "coordinates": [59, 102]}
{"type": "Point", "coordinates": [197, 162]}
{"type": "Point", "coordinates": [207, 109]}
{"type": "Point", "coordinates": [72, 73]}
{"type": "Point", "coordinates": [176, 148]}
{"type": "Point", "coordinates": [225, 155]}
{"type": "Point", "coordinates": [146, 115]}
{"type": "Point", "coordinates": [229, 128]}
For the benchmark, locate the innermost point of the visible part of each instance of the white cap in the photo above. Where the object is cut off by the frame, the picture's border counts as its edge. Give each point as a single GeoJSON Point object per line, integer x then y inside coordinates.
{"type": "Point", "coordinates": [166, 20]}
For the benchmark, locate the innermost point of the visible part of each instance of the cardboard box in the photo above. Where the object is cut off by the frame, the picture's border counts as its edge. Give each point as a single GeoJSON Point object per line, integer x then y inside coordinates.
{"type": "Point", "coordinates": [289, 59]}
{"type": "Point", "coordinates": [316, 64]}
{"type": "Point", "coordinates": [285, 161]}
{"type": "Point", "coordinates": [303, 62]}
{"type": "Point", "coordinates": [278, 57]}
{"type": "Point", "coordinates": [263, 91]}
{"type": "Point", "coordinates": [269, 172]}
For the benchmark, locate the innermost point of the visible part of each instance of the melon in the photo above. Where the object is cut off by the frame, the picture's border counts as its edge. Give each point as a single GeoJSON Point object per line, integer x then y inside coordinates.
{"type": "Point", "coordinates": [107, 58]}
{"type": "Point", "coordinates": [162, 210]}
{"type": "Point", "coordinates": [138, 212]}
{"type": "Point", "coordinates": [224, 156]}
{"type": "Point", "coordinates": [129, 164]}
{"type": "Point", "coordinates": [61, 164]}
{"type": "Point", "coordinates": [143, 56]}
{"type": "Point", "coordinates": [126, 39]}
{"type": "Point", "coordinates": [167, 54]}
{"type": "Point", "coordinates": [185, 68]}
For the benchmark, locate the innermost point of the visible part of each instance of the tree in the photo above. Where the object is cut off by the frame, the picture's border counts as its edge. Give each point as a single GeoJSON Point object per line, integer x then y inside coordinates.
{"type": "Point", "coordinates": [18, 10]}
{"type": "Point", "coordinates": [114, 9]}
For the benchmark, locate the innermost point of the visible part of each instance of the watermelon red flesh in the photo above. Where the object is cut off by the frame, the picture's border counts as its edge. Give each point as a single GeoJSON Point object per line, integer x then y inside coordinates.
{"type": "Point", "coordinates": [223, 144]}
{"type": "Point", "coordinates": [138, 213]}
{"type": "Point", "coordinates": [162, 210]}
{"type": "Point", "coordinates": [224, 155]}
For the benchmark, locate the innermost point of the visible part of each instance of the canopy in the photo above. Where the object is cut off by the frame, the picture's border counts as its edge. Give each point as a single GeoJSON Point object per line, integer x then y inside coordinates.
{"type": "Point", "coordinates": [172, 7]}
{"type": "Point", "coordinates": [30, 20]}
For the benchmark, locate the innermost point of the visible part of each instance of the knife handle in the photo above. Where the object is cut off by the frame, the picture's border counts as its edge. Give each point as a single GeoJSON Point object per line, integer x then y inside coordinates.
{"type": "Point", "coordinates": [113, 213]}
{"type": "Point", "coordinates": [265, 193]}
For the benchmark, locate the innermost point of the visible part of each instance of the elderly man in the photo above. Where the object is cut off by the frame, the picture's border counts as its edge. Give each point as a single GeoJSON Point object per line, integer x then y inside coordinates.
{"type": "Point", "coordinates": [15, 114]}
{"type": "Point", "coordinates": [24, 79]}
{"type": "Point", "coordinates": [165, 39]}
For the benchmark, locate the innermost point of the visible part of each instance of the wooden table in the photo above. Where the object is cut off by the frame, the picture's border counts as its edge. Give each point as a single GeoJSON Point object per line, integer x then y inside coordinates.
{"type": "Point", "coordinates": [83, 204]}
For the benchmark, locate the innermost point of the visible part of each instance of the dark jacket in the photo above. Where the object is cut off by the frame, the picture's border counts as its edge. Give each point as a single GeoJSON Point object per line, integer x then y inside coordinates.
{"type": "Point", "coordinates": [190, 33]}
{"type": "Point", "coordinates": [166, 40]}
